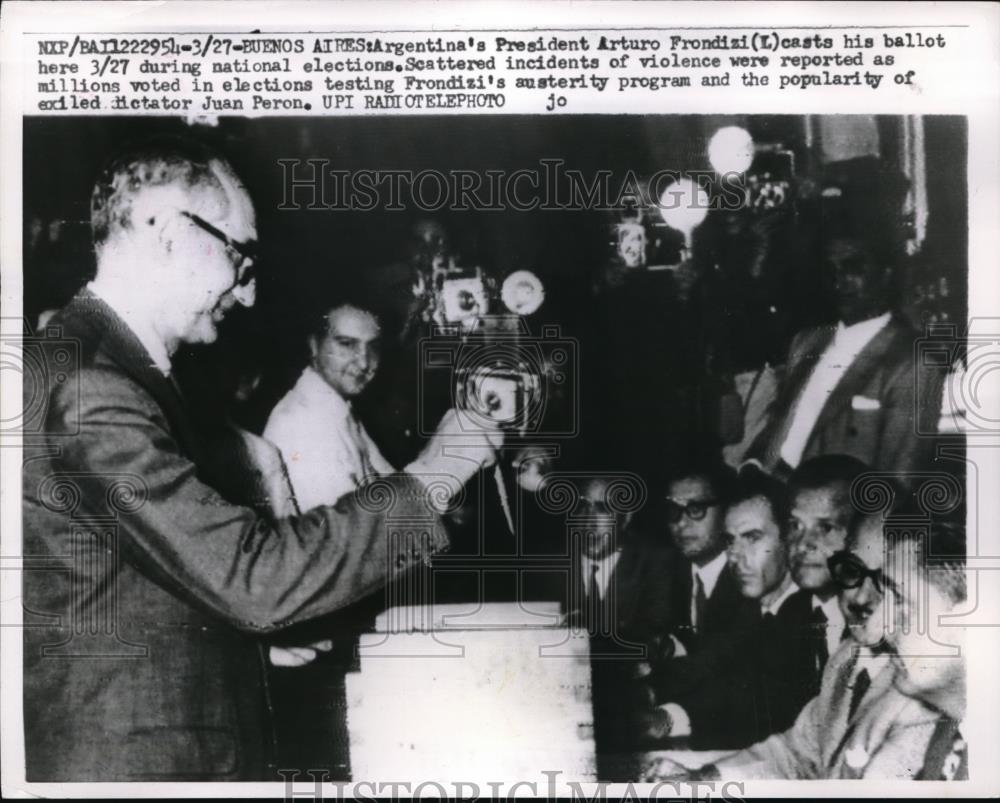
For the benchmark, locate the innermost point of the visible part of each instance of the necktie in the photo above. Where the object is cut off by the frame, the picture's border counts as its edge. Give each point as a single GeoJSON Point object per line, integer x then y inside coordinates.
{"type": "Point", "coordinates": [595, 605]}
{"type": "Point", "coordinates": [593, 587]}
{"type": "Point", "coordinates": [818, 623]}
{"type": "Point", "coordinates": [700, 603]}
{"type": "Point", "coordinates": [862, 682]}
{"type": "Point", "coordinates": [361, 447]}
{"type": "Point", "coordinates": [946, 758]}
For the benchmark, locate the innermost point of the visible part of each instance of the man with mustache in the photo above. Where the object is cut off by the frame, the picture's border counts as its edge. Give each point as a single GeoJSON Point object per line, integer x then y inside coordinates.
{"type": "Point", "coordinates": [860, 724]}
{"type": "Point", "coordinates": [925, 577]}
{"type": "Point", "coordinates": [325, 448]}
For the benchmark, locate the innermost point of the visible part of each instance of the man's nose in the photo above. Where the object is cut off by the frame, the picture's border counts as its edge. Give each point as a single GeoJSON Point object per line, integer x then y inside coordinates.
{"type": "Point", "coordinates": [245, 294]}
{"type": "Point", "coordinates": [866, 594]}
{"type": "Point", "coordinates": [808, 541]}
{"type": "Point", "coordinates": [364, 358]}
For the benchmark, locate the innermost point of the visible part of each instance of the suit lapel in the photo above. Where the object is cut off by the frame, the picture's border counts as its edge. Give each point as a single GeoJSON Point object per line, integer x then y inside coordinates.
{"type": "Point", "coordinates": [118, 344]}
{"type": "Point", "coordinates": [625, 581]}
{"type": "Point", "coordinates": [869, 359]}
{"type": "Point", "coordinates": [799, 372]}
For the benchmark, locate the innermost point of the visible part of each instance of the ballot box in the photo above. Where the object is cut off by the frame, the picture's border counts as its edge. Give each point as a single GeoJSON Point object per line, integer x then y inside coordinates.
{"type": "Point", "coordinates": [485, 694]}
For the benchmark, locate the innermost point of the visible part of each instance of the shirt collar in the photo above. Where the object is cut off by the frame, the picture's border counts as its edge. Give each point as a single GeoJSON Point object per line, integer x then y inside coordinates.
{"type": "Point", "coordinates": [709, 573]}
{"type": "Point", "coordinates": [153, 343]}
{"type": "Point", "coordinates": [608, 562]}
{"type": "Point", "coordinates": [774, 605]}
{"type": "Point", "coordinates": [873, 662]}
{"type": "Point", "coordinates": [862, 331]}
{"type": "Point", "coordinates": [831, 608]}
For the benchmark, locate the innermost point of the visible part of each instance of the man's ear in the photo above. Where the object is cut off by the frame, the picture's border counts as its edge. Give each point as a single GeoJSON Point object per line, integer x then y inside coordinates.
{"type": "Point", "coordinates": [313, 347]}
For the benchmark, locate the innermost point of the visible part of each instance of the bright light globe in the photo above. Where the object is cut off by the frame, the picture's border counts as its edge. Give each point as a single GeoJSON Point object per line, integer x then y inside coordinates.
{"type": "Point", "coordinates": [684, 206]}
{"type": "Point", "coordinates": [730, 150]}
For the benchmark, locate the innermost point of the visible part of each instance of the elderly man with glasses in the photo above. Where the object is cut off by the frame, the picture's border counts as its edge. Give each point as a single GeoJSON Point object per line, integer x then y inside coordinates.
{"type": "Point", "coordinates": [143, 651]}
{"type": "Point", "coordinates": [860, 724]}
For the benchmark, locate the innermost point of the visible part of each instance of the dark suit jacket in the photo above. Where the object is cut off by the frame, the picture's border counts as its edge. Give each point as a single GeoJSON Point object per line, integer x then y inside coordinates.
{"type": "Point", "coordinates": [145, 590]}
{"type": "Point", "coordinates": [702, 681]}
{"type": "Point", "coordinates": [871, 413]}
{"type": "Point", "coordinates": [637, 598]}
{"type": "Point", "coordinates": [762, 690]}
{"type": "Point", "coordinates": [727, 612]}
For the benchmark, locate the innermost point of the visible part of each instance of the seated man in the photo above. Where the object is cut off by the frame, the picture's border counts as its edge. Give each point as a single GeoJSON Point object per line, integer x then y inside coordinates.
{"type": "Point", "coordinates": [326, 450]}
{"type": "Point", "coordinates": [617, 593]}
{"type": "Point", "coordinates": [850, 388]}
{"type": "Point", "coordinates": [620, 594]}
{"type": "Point", "coordinates": [925, 576]}
{"type": "Point", "coordinates": [706, 602]}
{"type": "Point", "coordinates": [857, 701]}
{"type": "Point", "coordinates": [733, 698]}
{"type": "Point", "coordinates": [710, 620]}
{"type": "Point", "coordinates": [820, 513]}
{"type": "Point", "coordinates": [860, 724]}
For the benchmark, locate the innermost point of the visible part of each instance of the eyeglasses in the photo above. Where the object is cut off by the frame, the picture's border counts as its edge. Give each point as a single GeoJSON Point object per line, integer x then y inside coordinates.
{"type": "Point", "coordinates": [242, 255]}
{"type": "Point", "coordinates": [849, 571]}
{"type": "Point", "coordinates": [695, 510]}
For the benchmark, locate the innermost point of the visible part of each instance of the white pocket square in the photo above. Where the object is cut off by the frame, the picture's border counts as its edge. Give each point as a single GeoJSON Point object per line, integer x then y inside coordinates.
{"type": "Point", "coordinates": [864, 403]}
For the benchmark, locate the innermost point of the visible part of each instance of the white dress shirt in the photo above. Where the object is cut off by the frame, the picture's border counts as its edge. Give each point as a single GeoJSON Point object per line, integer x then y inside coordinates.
{"type": "Point", "coordinates": [605, 568]}
{"type": "Point", "coordinates": [835, 623]}
{"type": "Point", "coordinates": [709, 574]}
{"type": "Point", "coordinates": [788, 588]}
{"type": "Point", "coordinates": [847, 343]}
{"type": "Point", "coordinates": [323, 445]}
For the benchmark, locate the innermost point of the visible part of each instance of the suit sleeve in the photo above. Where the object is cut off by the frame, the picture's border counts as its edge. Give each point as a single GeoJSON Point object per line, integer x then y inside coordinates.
{"type": "Point", "coordinates": [256, 575]}
{"type": "Point", "coordinates": [787, 756]}
{"type": "Point", "coordinates": [911, 409]}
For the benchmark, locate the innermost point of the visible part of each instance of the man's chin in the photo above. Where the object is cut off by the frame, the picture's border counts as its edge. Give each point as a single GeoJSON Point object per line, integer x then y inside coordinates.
{"type": "Point", "coordinates": [203, 332]}
{"type": "Point", "coordinates": [810, 578]}
{"type": "Point", "coordinates": [864, 635]}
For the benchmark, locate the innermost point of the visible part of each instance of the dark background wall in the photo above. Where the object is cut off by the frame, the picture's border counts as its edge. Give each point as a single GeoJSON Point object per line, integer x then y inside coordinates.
{"type": "Point", "coordinates": [308, 254]}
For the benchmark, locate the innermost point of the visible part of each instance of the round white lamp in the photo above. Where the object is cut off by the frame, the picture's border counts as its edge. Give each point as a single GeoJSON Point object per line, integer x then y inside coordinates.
{"type": "Point", "coordinates": [683, 206]}
{"type": "Point", "coordinates": [730, 150]}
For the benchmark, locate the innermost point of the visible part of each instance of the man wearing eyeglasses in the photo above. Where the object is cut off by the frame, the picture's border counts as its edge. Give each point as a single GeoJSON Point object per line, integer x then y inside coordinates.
{"type": "Point", "coordinates": [859, 725]}
{"type": "Point", "coordinates": [709, 617]}
{"type": "Point", "coordinates": [707, 602]}
{"type": "Point", "coordinates": [142, 651]}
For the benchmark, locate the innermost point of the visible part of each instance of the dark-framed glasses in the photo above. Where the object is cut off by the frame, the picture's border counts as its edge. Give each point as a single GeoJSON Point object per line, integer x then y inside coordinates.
{"type": "Point", "coordinates": [242, 255]}
{"type": "Point", "coordinates": [849, 571]}
{"type": "Point", "coordinates": [695, 510]}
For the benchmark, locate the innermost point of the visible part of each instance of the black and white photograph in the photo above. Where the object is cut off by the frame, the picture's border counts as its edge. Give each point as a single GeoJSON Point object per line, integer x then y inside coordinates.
{"type": "Point", "coordinates": [438, 449]}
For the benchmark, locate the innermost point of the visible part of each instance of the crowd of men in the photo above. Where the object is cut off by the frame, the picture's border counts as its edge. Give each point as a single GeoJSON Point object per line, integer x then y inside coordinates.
{"type": "Point", "coordinates": [745, 607]}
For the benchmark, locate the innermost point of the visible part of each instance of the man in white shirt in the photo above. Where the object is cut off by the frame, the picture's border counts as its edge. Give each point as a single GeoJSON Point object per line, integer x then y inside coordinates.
{"type": "Point", "coordinates": [325, 448]}
{"type": "Point", "coordinates": [852, 388]}
{"type": "Point", "coordinates": [859, 725]}
{"type": "Point", "coordinates": [819, 519]}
